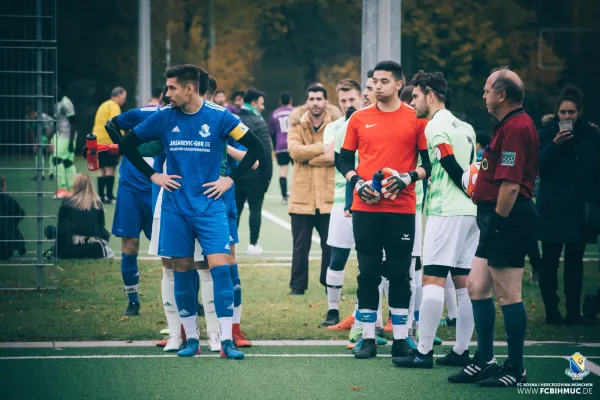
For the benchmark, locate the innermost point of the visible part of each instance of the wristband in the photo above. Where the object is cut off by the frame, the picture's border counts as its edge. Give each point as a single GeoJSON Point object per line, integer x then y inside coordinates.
{"type": "Point", "coordinates": [355, 179]}
{"type": "Point", "coordinates": [414, 176]}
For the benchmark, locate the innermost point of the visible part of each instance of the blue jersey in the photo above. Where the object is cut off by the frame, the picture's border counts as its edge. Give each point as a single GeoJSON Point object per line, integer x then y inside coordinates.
{"type": "Point", "coordinates": [194, 146]}
{"type": "Point", "coordinates": [229, 196]}
{"type": "Point", "coordinates": [130, 177]}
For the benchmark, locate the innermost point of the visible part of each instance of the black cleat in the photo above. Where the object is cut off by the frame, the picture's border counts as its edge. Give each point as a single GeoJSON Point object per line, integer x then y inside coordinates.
{"type": "Point", "coordinates": [476, 371]}
{"type": "Point", "coordinates": [332, 318]}
{"type": "Point", "coordinates": [448, 321]}
{"type": "Point", "coordinates": [367, 350]}
{"type": "Point", "coordinates": [400, 348]}
{"type": "Point", "coordinates": [454, 360]}
{"type": "Point", "coordinates": [200, 310]}
{"type": "Point", "coordinates": [379, 332]}
{"type": "Point", "coordinates": [133, 309]}
{"type": "Point", "coordinates": [415, 360]}
{"type": "Point", "coordinates": [507, 376]}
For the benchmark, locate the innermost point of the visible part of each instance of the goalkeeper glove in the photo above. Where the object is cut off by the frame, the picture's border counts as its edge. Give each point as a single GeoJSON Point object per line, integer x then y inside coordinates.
{"type": "Point", "coordinates": [396, 182]}
{"type": "Point", "coordinates": [366, 192]}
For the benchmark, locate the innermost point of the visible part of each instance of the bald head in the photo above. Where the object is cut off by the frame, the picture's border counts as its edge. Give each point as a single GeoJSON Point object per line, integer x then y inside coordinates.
{"type": "Point", "coordinates": [508, 85]}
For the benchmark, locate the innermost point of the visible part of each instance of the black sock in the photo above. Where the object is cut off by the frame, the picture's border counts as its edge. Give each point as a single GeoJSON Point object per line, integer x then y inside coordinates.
{"type": "Point", "coordinates": [110, 184]}
{"type": "Point", "coordinates": [283, 186]}
{"type": "Point", "coordinates": [101, 185]}
{"type": "Point", "coordinates": [484, 314]}
{"type": "Point", "coordinates": [515, 323]}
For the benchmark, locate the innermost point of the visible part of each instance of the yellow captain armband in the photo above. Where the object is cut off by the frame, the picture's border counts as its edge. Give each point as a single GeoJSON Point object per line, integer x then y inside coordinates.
{"type": "Point", "coordinates": [239, 131]}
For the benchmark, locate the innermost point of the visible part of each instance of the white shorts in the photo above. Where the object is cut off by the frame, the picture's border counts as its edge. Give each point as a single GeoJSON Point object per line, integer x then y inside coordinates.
{"type": "Point", "coordinates": [450, 241]}
{"type": "Point", "coordinates": [417, 245]}
{"type": "Point", "coordinates": [340, 229]}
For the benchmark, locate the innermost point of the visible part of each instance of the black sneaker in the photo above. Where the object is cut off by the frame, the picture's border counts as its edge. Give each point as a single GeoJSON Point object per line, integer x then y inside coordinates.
{"type": "Point", "coordinates": [380, 331]}
{"type": "Point", "coordinates": [367, 350]}
{"type": "Point", "coordinates": [506, 377]}
{"type": "Point", "coordinates": [400, 348]}
{"type": "Point", "coordinates": [455, 360]}
{"type": "Point", "coordinates": [553, 317]}
{"type": "Point", "coordinates": [200, 310]}
{"type": "Point", "coordinates": [133, 309]}
{"type": "Point", "coordinates": [332, 318]}
{"type": "Point", "coordinates": [476, 371]}
{"type": "Point", "coordinates": [296, 292]}
{"type": "Point", "coordinates": [415, 360]}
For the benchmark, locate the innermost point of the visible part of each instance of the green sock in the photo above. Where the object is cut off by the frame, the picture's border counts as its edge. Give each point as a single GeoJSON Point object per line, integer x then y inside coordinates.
{"type": "Point", "coordinates": [61, 178]}
{"type": "Point", "coordinates": [70, 174]}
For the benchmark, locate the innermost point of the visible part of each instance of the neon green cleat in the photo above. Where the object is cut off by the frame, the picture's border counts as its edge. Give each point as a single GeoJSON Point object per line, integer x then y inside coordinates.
{"type": "Point", "coordinates": [355, 335]}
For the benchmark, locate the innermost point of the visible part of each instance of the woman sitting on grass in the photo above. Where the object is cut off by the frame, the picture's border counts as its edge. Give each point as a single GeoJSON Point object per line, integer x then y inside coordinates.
{"type": "Point", "coordinates": [81, 226]}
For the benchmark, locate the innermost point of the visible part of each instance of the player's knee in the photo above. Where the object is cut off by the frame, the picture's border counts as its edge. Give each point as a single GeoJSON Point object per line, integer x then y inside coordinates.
{"type": "Point", "coordinates": [56, 161]}
{"type": "Point", "coordinates": [130, 246]}
{"type": "Point", "coordinates": [201, 265]}
{"type": "Point", "coordinates": [183, 264]}
{"type": "Point", "coordinates": [433, 280]}
{"type": "Point", "coordinates": [68, 163]}
{"type": "Point", "coordinates": [477, 290]}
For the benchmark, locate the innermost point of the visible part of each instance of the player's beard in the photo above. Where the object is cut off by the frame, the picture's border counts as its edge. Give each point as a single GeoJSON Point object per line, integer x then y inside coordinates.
{"type": "Point", "coordinates": [383, 98]}
{"type": "Point", "coordinates": [422, 112]}
{"type": "Point", "coordinates": [317, 112]}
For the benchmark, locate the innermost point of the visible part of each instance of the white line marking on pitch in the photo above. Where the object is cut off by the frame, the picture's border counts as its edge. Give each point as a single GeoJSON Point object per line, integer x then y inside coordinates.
{"type": "Point", "coordinates": [592, 366]}
{"type": "Point", "coordinates": [284, 224]}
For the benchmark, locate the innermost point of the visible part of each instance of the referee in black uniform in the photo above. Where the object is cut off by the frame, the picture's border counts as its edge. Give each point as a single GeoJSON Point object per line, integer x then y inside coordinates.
{"type": "Point", "coordinates": [506, 218]}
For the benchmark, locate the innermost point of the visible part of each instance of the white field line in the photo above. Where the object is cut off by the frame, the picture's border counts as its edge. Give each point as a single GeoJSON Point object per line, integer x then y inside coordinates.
{"type": "Point", "coordinates": [284, 224]}
{"type": "Point", "coordinates": [591, 366]}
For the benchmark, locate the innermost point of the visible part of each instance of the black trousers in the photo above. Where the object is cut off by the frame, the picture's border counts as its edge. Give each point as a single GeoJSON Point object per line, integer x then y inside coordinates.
{"type": "Point", "coordinates": [255, 198]}
{"type": "Point", "coordinates": [302, 229]}
{"type": "Point", "coordinates": [373, 233]}
{"type": "Point", "coordinates": [573, 274]}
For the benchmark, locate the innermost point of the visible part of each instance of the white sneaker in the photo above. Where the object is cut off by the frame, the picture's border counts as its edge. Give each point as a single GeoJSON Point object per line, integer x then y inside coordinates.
{"type": "Point", "coordinates": [254, 249]}
{"type": "Point", "coordinates": [173, 344]}
{"type": "Point", "coordinates": [214, 343]}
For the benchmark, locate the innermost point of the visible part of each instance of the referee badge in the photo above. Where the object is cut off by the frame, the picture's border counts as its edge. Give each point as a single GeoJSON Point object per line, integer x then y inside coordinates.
{"type": "Point", "coordinates": [484, 164]}
{"type": "Point", "coordinates": [508, 158]}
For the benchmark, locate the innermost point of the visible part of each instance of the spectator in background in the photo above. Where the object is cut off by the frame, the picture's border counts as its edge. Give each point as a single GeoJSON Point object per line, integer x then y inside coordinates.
{"type": "Point", "coordinates": [280, 126]}
{"type": "Point", "coordinates": [237, 99]}
{"type": "Point", "coordinates": [312, 187]}
{"type": "Point", "coordinates": [220, 99]}
{"type": "Point", "coordinates": [299, 111]}
{"type": "Point", "coordinates": [369, 92]}
{"type": "Point", "coordinates": [482, 140]}
{"type": "Point", "coordinates": [108, 162]}
{"type": "Point", "coordinates": [81, 227]}
{"type": "Point", "coordinates": [253, 185]}
{"type": "Point", "coordinates": [211, 90]}
{"type": "Point", "coordinates": [11, 214]}
{"type": "Point", "coordinates": [63, 156]}
{"type": "Point", "coordinates": [569, 173]}
{"type": "Point", "coordinates": [155, 99]}
{"type": "Point", "coordinates": [47, 132]}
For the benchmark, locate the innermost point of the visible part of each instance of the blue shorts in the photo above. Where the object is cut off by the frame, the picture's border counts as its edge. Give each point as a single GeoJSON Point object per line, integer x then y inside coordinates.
{"type": "Point", "coordinates": [179, 232]}
{"type": "Point", "coordinates": [233, 231]}
{"type": "Point", "coordinates": [133, 214]}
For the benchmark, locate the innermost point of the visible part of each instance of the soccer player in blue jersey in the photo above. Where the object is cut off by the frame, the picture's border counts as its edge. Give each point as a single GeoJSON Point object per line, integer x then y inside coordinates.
{"type": "Point", "coordinates": [194, 133]}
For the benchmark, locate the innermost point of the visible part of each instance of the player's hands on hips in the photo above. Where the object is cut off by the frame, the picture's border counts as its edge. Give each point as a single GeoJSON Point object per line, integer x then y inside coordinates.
{"type": "Point", "coordinates": [165, 181]}
{"type": "Point", "coordinates": [394, 183]}
{"type": "Point", "coordinates": [218, 187]}
{"type": "Point", "coordinates": [366, 192]}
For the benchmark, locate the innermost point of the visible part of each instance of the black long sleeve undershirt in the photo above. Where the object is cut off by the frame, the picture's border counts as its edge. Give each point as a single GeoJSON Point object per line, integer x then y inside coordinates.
{"type": "Point", "coordinates": [255, 151]}
{"type": "Point", "coordinates": [454, 170]}
{"type": "Point", "coordinates": [425, 162]}
{"type": "Point", "coordinates": [129, 149]}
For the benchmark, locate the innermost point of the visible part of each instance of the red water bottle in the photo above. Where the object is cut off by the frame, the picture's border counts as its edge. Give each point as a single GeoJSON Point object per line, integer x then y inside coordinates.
{"type": "Point", "coordinates": [92, 154]}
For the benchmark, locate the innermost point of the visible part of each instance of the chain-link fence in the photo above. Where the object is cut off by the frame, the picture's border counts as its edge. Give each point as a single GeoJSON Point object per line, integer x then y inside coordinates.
{"type": "Point", "coordinates": [27, 124]}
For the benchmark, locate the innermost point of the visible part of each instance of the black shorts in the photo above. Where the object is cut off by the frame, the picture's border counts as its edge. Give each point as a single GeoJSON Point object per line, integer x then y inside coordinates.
{"type": "Point", "coordinates": [509, 247]}
{"type": "Point", "coordinates": [283, 158]}
{"type": "Point", "coordinates": [107, 160]}
{"type": "Point", "coordinates": [441, 271]}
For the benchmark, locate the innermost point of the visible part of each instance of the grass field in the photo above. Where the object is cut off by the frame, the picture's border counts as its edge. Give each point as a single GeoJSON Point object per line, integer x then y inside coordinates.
{"type": "Point", "coordinates": [88, 302]}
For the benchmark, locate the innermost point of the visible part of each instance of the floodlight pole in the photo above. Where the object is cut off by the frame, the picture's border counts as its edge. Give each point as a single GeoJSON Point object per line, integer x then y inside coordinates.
{"type": "Point", "coordinates": [144, 56]}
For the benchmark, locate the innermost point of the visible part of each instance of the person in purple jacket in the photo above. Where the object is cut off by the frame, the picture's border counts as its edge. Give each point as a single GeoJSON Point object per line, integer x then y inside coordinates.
{"type": "Point", "coordinates": [279, 125]}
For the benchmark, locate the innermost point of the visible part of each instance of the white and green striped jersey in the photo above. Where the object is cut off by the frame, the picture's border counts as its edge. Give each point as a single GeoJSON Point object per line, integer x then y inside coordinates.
{"type": "Point", "coordinates": [444, 198]}
{"type": "Point", "coordinates": [334, 134]}
{"type": "Point", "coordinates": [64, 110]}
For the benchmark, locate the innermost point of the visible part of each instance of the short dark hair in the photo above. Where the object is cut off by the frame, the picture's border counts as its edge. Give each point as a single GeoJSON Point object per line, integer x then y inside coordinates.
{"type": "Point", "coordinates": [346, 85]}
{"type": "Point", "coordinates": [163, 95]}
{"type": "Point", "coordinates": [431, 82]}
{"type": "Point", "coordinates": [370, 73]}
{"type": "Point", "coordinates": [390, 66]}
{"type": "Point", "coordinates": [219, 91]}
{"type": "Point", "coordinates": [189, 74]}
{"type": "Point", "coordinates": [515, 93]}
{"type": "Point", "coordinates": [406, 94]}
{"type": "Point", "coordinates": [482, 138]}
{"type": "Point", "coordinates": [315, 88]}
{"type": "Point", "coordinates": [156, 91]}
{"type": "Point", "coordinates": [253, 95]}
{"type": "Point", "coordinates": [212, 86]}
{"type": "Point", "coordinates": [237, 93]}
{"type": "Point", "coordinates": [570, 93]}
{"type": "Point", "coordinates": [285, 98]}
{"type": "Point", "coordinates": [116, 91]}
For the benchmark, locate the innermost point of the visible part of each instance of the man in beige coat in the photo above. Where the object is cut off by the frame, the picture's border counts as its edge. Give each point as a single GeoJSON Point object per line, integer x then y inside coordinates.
{"type": "Point", "coordinates": [312, 188]}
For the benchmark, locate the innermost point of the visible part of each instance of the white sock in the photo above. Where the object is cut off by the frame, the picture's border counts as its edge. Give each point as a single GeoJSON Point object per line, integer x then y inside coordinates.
{"type": "Point", "coordinates": [190, 325]}
{"type": "Point", "coordinates": [464, 321]}
{"type": "Point", "coordinates": [432, 308]}
{"type": "Point", "coordinates": [386, 289]}
{"type": "Point", "coordinates": [168, 299]}
{"type": "Point", "coordinates": [334, 280]}
{"type": "Point", "coordinates": [411, 306]}
{"type": "Point", "coordinates": [418, 295]}
{"type": "Point", "coordinates": [450, 297]}
{"type": "Point", "coordinates": [379, 322]}
{"type": "Point", "coordinates": [400, 330]}
{"type": "Point", "coordinates": [237, 314]}
{"type": "Point", "coordinates": [368, 327]}
{"type": "Point", "coordinates": [357, 323]}
{"type": "Point", "coordinates": [208, 300]}
{"type": "Point", "coordinates": [225, 324]}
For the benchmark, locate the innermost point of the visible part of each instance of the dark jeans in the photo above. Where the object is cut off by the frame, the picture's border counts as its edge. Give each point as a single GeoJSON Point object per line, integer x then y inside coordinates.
{"type": "Point", "coordinates": [535, 258]}
{"type": "Point", "coordinates": [573, 275]}
{"type": "Point", "coordinates": [302, 229]}
{"type": "Point", "coordinates": [255, 197]}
